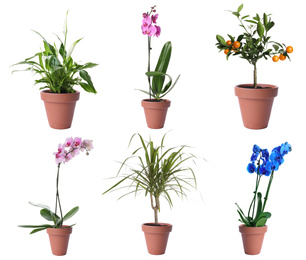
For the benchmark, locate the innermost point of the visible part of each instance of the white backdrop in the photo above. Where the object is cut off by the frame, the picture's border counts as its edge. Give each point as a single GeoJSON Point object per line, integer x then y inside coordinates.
{"type": "Point", "coordinates": [204, 113]}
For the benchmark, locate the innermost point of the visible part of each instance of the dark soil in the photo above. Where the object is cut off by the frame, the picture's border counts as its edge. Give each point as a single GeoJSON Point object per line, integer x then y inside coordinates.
{"type": "Point", "coordinates": [258, 87]}
{"type": "Point", "coordinates": [158, 225]}
{"type": "Point", "coordinates": [155, 100]}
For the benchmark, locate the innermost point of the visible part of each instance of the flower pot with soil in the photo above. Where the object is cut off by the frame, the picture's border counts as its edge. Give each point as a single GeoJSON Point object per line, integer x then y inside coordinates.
{"type": "Point", "coordinates": [255, 100]}
{"type": "Point", "coordinates": [156, 107]}
{"type": "Point", "coordinates": [58, 74]}
{"type": "Point", "coordinates": [160, 171]}
{"type": "Point", "coordinates": [254, 222]}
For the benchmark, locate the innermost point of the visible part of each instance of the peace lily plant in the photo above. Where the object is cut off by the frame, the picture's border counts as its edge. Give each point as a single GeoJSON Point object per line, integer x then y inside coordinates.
{"type": "Point", "coordinates": [57, 68]}
{"type": "Point", "coordinates": [65, 153]}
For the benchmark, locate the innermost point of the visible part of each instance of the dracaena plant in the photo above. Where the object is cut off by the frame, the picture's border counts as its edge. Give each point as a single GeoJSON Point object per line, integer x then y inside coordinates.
{"type": "Point", "coordinates": [59, 72]}
{"type": "Point", "coordinates": [157, 88]}
{"type": "Point", "coordinates": [264, 165]}
{"type": "Point", "coordinates": [66, 152]}
{"type": "Point", "coordinates": [254, 43]}
{"type": "Point", "coordinates": [160, 172]}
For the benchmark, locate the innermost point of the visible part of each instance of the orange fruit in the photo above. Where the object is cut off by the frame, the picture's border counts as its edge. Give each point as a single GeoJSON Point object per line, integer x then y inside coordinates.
{"type": "Point", "coordinates": [282, 57]}
{"type": "Point", "coordinates": [228, 42]}
{"type": "Point", "coordinates": [226, 51]}
{"type": "Point", "coordinates": [289, 49]}
{"type": "Point", "coordinates": [275, 58]}
{"type": "Point", "coordinates": [236, 44]}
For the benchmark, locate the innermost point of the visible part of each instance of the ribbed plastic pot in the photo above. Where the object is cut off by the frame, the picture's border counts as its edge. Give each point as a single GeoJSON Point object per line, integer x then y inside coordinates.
{"type": "Point", "coordinates": [256, 104]}
{"type": "Point", "coordinates": [155, 112]}
{"type": "Point", "coordinates": [59, 108]}
{"type": "Point", "coordinates": [156, 237]}
{"type": "Point", "coordinates": [59, 239]}
{"type": "Point", "coordinates": [252, 238]}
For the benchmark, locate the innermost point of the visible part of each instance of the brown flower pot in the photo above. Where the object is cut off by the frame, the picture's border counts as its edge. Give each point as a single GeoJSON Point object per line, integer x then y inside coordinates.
{"type": "Point", "coordinates": [156, 237]}
{"type": "Point", "coordinates": [155, 112]}
{"type": "Point", "coordinates": [59, 238]}
{"type": "Point", "coordinates": [252, 238]}
{"type": "Point", "coordinates": [59, 108]}
{"type": "Point", "coordinates": [256, 104]}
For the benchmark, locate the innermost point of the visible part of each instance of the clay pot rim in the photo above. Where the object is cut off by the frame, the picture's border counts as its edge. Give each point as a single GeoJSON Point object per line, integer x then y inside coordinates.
{"type": "Point", "coordinates": [164, 228]}
{"type": "Point", "coordinates": [164, 104]}
{"type": "Point", "coordinates": [155, 100]}
{"type": "Point", "coordinates": [59, 231]}
{"type": "Point", "coordinates": [48, 91]}
{"type": "Point", "coordinates": [252, 230]}
{"type": "Point", "coordinates": [254, 93]}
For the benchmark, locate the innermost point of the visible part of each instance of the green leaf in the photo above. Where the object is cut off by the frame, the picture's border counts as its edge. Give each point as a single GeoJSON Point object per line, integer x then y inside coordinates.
{"type": "Point", "coordinates": [221, 40]}
{"type": "Point", "coordinates": [84, 75]}
{"type": "Point", "coordinates": [40, 205]}
{"type": "Point", "coordinates": [246, 16]}
{"type": "Point", "coordinates": [71, 213]}
{"type": "Point", "coordinates": [240, 8]}
{"type": "Point", "coordinates": [251, 21]}
{"type": "Point", "coordinates": [265, 19]}
{"type": "Point", "coordinates": [259, 205]}
{"type": "Point", "coordinates": [162, 66]}
{"type": "Point", "coordinates": [236, 14]}
{"type": "Point", "coordinates": [48, 215]}
{"type": "Point", "coordinates": [260, 29]}
{"type": "Point", "coordinates": [261, 222]}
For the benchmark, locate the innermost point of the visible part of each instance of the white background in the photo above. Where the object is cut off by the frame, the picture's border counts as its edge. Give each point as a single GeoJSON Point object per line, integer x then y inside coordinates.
{"type": "Point", "coordinates": [204, 113]}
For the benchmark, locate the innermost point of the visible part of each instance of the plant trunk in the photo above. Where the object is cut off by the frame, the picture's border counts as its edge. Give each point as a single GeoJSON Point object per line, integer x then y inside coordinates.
{"type": "Point", "coordinates": [255, 76]}
{"type": "Point", "coordinates": [155, 208]}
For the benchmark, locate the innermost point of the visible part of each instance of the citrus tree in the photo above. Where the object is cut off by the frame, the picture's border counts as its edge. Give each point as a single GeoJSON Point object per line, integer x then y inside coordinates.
{"type": "Point", "coordinates": [254, 43]}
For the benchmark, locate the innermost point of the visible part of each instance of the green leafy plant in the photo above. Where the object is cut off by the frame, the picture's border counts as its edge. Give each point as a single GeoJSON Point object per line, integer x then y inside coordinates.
{"type": "Point", "coordinates": [254, 43]}
{"type": "Point", "coordinates": [159, 173]}
{"type": "Point", "coordinates": [157, 89]}
{"type": "Point", "coordinates": [57, 68]}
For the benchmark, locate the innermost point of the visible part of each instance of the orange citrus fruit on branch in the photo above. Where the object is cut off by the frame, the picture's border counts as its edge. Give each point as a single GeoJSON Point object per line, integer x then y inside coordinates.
{"type": "Point", "coordinates": [226, 51]}
{"type": "Point", "coordinates": [282, 57]}
{"type": "Point", "coordinates": [289, 49]}
{"type": "Point", "coordinates": [275, 58]}
{"type": "Point", "coordinates": [228, 42]}
{"type": "Point", "coordinates": [236, 44]}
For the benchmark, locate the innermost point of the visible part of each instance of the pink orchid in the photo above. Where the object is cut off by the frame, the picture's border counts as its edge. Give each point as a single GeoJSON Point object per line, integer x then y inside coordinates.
{"type": "Point", "coordinates": [149, 30]}
{"type": "Point", "coordinates": [76, 142]}
{"type": "Point", "coordinates": [145, 15]}
{"type": "Point", "coordinates": [87, 145]}
{"type": "Point", "coordinates": [68, 141]}
{"type": "Point", "coordinates": [154, 18]}
{"type": "Point", "coordinates": [157, 30]}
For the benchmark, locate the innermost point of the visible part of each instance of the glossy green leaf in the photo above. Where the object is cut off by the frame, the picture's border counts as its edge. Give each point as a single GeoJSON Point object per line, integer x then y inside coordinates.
{"type": "Point", "coordinates": [71, 213]}
{"type": "Point", "coordinates": [240, 8]}
{"type": "Point", "coordinates": [221, 40]}
{"type": "Point", "coordinates": [260, 29]}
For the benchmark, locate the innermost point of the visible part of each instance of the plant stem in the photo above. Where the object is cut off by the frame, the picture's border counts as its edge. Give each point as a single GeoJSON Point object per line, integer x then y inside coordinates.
{"type": "Point", "coordinates": [255, 76]}
{"type": "Point", "coordinates": [155, 208]}
{"type": "Point", "coordinates": [149, 57]}
{"type": "Point", "coordinates": [268, 189]}
{"type": "Point", "coordinates": [57, 200]}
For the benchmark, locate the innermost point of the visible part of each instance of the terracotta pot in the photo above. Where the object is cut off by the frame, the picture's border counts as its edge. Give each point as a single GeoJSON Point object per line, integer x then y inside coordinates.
{"type": "Point", "coordinates": [156, 237]}
{"type": "Point", "coordinates": [252, 238]}
{"type": "Point", "coordinates": [59, 108]}
{"type": "Point", "coordinates": [155, 112]}
{"type": "Point", "coordinates": [59, 238]}
{"type": "Point", "coordinates": [256, 104]}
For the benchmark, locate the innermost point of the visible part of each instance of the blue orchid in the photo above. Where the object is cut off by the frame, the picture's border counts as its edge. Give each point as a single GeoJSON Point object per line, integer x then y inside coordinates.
{"type": "Point", "coordinates": [263, 164]}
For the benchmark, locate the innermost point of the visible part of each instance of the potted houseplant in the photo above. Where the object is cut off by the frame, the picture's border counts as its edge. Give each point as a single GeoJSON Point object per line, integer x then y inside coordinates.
{"type": "Point", "coordinates": [254, 226]}
{"type": "Point", "coordinates": [58, 232]}
{"type": "Point", "coordinates": [58, 74]}
{"type": "Point", "coordinates": [160, 172]}
{"type": "Point", "coordinates": [156, 107]}
{"type": "Point", "coordinates": [255, 99]}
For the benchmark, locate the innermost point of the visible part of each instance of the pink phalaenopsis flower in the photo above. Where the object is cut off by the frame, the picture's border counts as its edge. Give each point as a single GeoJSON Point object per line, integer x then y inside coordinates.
{"type": "Point", "coordinates": [148, 28]}
{"type": "Point", "coordinates": [68, 141]}
{"type": "Point", "coordinates": [60, 154]}
{"type": "Point", "coordinates": [87, 145]}
{"type": "Point", "coordinates": [154, 18]}
{"type": "Point", "coordinates": [157, 30]}
{"type": "Point", "coordinates": [76, 142]}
